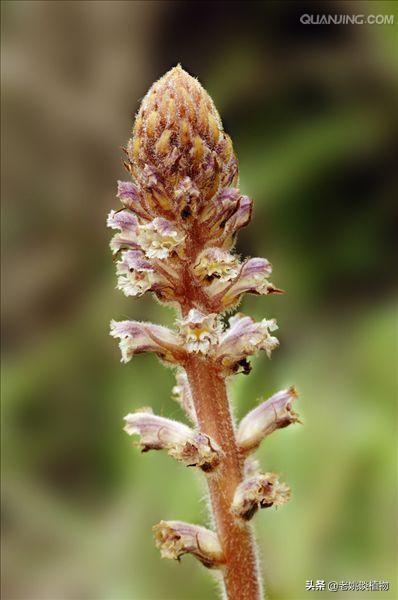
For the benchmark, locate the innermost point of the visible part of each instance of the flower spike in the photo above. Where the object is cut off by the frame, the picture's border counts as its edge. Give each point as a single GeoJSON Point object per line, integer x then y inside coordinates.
{"type": "Point", "coordinates": [174, 238]}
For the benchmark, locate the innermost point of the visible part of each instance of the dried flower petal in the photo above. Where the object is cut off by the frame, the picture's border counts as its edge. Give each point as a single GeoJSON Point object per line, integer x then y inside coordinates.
{"type": "Point", "coordinates": [245, 337]}
{"type": "Point", "coordinates": [137, 337]}
{"type": "Point", "coordinates": [274, 413]}
{"type": "Point", "coordinates": [176, 538]}
{"type": "Point", "coordinates": [182, 394]}
{"type": "Point", "coordinates": [199, 332]}
{"type": "Point", "coordinates": [190, 447]}
{"type": "Point", "coordinates": [261, 490]}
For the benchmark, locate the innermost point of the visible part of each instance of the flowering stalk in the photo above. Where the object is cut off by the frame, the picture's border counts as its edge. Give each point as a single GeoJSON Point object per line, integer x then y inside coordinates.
{"type": "Point", "coordinates": [175, 234]}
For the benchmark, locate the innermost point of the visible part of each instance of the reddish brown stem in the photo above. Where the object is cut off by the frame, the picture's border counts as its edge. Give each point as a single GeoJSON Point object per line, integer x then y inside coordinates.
{"type": "Point", "coordinates": [241, 576]}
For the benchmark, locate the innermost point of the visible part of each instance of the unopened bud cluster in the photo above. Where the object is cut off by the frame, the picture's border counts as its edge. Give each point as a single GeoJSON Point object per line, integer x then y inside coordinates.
{"type": "Point", "coordinates": [175, 234]}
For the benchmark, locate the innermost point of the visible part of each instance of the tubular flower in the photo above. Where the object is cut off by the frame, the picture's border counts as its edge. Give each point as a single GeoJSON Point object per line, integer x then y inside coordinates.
{"type": "Point", "coordinates": [260, 490]}
{"type": "Point", "coordinates": [127, 223]}
{"type": "Point", "coordinates": [234, 278]}
{"type": "Point", "coordinates": [176, 538]}
{"type": "Point", "coordinates": [243, 338]}
{"type": "Point", "coordinates": [274, 413]}
{"type": "Point", "coordinates": [174, 237]}
{"type": "Point", "coordinates": [136, 337]}
{"type": "Point", "coordinates": [190, 447]}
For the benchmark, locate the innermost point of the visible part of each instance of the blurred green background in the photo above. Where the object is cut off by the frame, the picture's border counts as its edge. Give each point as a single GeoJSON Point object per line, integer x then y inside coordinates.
{"type": "Point", "coordinates": [312, 111]}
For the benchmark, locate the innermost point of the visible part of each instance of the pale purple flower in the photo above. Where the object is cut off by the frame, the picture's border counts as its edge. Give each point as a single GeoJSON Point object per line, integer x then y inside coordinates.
{"type": "Point", "coordinates": [137, 337]}
{"type": "Point", "coordinates": [135, 273]}
{"type": "Point", "coordinates": [127, 223]}
{"type": "Point", "coordinates": [223, 207]}
{"type": "Point", "coordinates": [123, 219]}
{"type": "Point", "coordinates": [274, 413]}
{"type": "Point", "coordinates": [186, 445]}
{"type": "Point", "coordinates": [240, 217]}
{"type": "Point", "coordinates": [131, 198]}
{"type": "Point", "coordinates": [245, 337]}
{"type": "Point", "coordinates": [176, 538]}
{"type": "Point", "coordinates": [127, 191]}
{"type": "Point", "coordinates": [250, 276]}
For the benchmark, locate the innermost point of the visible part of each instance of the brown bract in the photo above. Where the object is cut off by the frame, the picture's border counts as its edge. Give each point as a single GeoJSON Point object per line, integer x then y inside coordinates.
{"type": "Point", "coordinates": [178, 141]}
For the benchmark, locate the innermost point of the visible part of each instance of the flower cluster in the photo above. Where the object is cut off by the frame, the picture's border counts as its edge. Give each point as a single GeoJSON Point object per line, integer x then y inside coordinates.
{"type": "Point", "coordinates": [198, 334]}
{"type": "Point", "coordinates": [174, 237]}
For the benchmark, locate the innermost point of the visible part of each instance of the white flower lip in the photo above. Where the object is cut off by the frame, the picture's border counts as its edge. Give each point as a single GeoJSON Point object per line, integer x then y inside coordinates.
{"type": "Point", "coordinates": [199, 332]}
{"type": "Point", "coordinates": [216, 264]}
{"type": "Point", "coordinates": [135, 274]}
{"type": "Point", "coordinates": [159, 238]}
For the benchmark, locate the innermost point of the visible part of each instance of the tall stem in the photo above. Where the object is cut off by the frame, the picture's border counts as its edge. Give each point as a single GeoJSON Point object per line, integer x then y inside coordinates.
{"type": "Point", "coordinates": [241, 576]}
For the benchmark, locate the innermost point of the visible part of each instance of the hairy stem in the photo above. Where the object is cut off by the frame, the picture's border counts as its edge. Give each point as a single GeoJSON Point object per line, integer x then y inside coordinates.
{"type": "Point", "coordinates": [241, 576]}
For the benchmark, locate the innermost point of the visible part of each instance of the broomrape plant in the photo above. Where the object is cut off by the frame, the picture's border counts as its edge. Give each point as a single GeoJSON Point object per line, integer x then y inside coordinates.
{"type": "Point", "coordinates": [175, 234]}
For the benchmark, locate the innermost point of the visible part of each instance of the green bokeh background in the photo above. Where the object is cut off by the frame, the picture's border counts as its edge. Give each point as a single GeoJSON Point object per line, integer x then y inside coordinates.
{"type": "Point", "coordinates": [312, 111]}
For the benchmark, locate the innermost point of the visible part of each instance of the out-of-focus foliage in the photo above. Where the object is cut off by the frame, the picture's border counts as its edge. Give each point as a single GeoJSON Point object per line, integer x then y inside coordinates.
{"type": "Point", "coordinates": [312, 112]}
